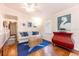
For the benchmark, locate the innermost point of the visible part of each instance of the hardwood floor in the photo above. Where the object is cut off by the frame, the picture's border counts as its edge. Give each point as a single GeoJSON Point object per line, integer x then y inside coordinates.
{"type": "Point", "coordinates": [11, 50]}
{"type": "Point", "coordinates": [61, 51]}
{"type": "Point", "coordinates": [0, 52]}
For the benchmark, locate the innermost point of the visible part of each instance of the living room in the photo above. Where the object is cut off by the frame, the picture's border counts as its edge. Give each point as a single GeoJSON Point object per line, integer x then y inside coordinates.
{"type": "Point", "coordinates": [39, 29]}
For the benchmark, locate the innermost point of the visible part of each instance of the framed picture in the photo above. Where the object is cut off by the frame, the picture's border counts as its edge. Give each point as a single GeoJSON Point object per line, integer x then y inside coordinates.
{"type": "Point", "coordinates": [24, 24]}
{"type": "Point", "coordinates": [5, 24]}
{"type": "Point", "coordinates": [64, 23]}
{"type": "Point", "coordinates": [29, 24]}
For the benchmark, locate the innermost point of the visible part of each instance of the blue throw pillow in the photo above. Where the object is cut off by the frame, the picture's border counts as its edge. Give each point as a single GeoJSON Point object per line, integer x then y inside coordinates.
{"type": "Point", "coordinates": [35, 33]}
{"type": "Point", "coordinates": [24, 34]}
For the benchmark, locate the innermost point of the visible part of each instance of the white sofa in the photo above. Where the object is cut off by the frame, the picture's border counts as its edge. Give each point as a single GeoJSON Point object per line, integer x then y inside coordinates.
{"type": "Point", "coordinates": [26, 38]}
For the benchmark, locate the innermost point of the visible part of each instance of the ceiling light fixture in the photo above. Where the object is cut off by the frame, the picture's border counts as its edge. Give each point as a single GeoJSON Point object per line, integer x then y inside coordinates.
{"type": "Point", "coordinates": [31, 7]}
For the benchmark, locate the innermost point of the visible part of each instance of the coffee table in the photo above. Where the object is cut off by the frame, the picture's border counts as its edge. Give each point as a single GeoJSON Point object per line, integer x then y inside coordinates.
{"type": "Point", "coordinates": [34, 41]}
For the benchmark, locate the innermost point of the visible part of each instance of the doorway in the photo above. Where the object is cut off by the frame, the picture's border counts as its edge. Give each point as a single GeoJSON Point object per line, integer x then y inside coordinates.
{"type": "Point", "coordinates": [13, 28]}
{"type": "Point", "coordinates": [47, 30]}
{"type": "Point", "coordinates": [13, 31]}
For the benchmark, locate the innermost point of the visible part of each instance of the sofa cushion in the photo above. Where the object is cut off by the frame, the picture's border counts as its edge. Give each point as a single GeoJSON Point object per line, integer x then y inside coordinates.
{"type": "Point", "coordinates": [23, 34]}
{"type": "Point", "coordinates": [35, 33]}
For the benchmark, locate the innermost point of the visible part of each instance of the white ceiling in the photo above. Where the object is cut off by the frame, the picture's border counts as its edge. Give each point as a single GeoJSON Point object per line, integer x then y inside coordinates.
{"type": "Point", "coordinates": [45, 8]}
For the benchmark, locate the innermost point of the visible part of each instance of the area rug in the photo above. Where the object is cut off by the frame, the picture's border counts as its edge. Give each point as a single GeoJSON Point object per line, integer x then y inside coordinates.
{"type": "Point", "coordinates": [23, 49]}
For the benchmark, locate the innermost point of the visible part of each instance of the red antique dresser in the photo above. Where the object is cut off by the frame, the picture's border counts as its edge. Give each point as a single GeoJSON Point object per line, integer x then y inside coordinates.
{"type": "Point", "coordinates": [63, 39]}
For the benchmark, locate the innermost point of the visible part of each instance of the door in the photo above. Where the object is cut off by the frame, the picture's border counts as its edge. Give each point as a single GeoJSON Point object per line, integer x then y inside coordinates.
{"type": "Point", "coordinates": [12, 27]}
{"type": "Point", "coordinates": [47, 30]}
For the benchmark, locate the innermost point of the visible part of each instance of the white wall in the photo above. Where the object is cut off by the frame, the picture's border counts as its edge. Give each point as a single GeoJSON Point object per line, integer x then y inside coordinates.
{"type": "Point", "coordinates": [74, 11]}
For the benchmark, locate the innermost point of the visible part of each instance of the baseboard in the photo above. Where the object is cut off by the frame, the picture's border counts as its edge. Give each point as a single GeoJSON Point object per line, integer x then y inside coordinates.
{"type": "Point", "coordinates": [75, 51]}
